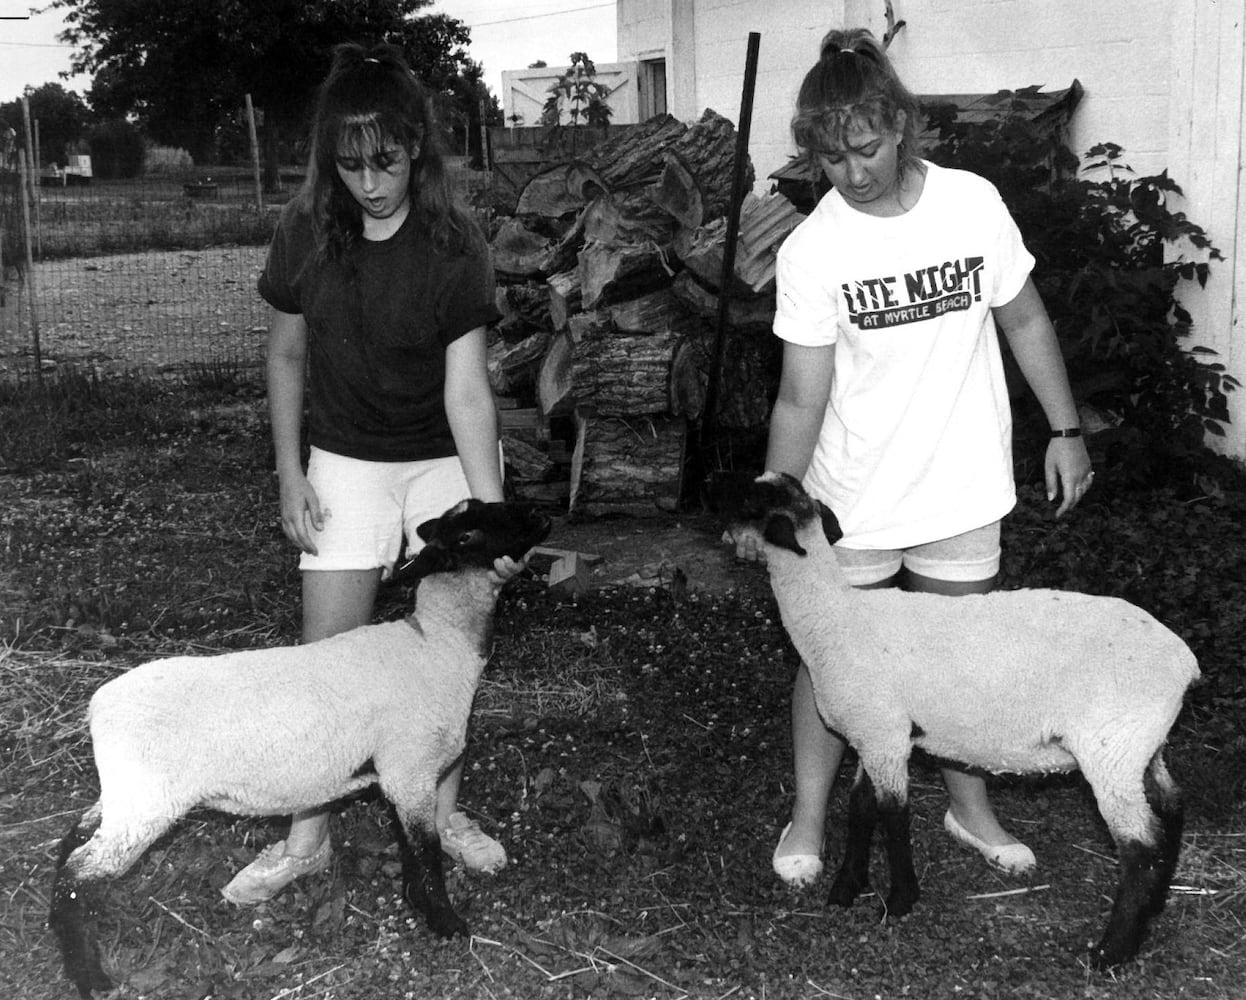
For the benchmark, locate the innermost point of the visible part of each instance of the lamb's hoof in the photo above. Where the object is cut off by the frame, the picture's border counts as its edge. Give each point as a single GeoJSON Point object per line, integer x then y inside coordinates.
{"type": "Point", "coordinates": [1105, 956]}
{"type": "Point", "coordinates": [91, 982]}
{"type": "Point", "coordinates": [896, 906]}
{"type": "Point", "coordinates": [448, 924]}
{"type": "Point", "coordinates": [842, 893]}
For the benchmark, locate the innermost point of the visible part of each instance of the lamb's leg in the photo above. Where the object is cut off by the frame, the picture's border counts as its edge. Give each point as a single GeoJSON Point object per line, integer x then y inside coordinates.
{"type": "Point", "coordinates": [894, 819]}
{"type": "Point", "coordinates": [1168, 805]}
{"type": "Point", "coordinates": [72, 916]}
{"type": "Point", "coordinates": [90, 855]}
{"type": "Point", "coordinates": [1141, 858]}
{"type": "Point", "coordinates": [854, 871]}
{"type": "Point", "coordinates": [423, 877]}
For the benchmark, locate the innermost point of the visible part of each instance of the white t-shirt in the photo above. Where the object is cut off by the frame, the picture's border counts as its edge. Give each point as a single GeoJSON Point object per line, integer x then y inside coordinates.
{"type": "Point", "coordinates": [916, 444]}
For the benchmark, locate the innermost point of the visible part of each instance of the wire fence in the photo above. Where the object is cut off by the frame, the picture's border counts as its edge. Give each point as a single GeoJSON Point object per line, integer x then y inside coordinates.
{"type": "Point", "coordinates": [155, 274]}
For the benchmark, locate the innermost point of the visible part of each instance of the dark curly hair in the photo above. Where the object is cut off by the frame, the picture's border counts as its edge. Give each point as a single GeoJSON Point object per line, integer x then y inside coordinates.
{"type": "Point", "coordinates": [853, 84]}
{"type": "Point", "coordinates": [371, 98]}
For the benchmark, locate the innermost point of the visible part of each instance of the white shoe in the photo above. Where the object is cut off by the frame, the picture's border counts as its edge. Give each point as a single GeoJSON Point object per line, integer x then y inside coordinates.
{"type": "Point", "coordinates": [272, 870]}
{"type": "Point", "coordinates": [798, 870]}
{"type": "Point", "coordinates": [1016, 859]}
{"type": "Point", "coordinates": [470, 846]}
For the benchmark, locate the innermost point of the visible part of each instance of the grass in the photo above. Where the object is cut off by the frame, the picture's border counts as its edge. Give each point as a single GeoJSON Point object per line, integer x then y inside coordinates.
{"type": "Point", "coordinates": [629, 748]}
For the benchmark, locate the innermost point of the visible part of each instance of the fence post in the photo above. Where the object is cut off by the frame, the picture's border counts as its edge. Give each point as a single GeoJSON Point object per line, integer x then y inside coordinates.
{"type": "Point", "coordinates": [31, 283]}
{"type": "Point", "coordinates": [255, 156]}
{"type": "Point", "coordinates": [32, 175]}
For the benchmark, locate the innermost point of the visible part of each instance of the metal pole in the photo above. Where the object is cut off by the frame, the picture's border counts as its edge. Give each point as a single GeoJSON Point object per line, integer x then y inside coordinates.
{"type": "Point", "coordinates": [255, 156]}
{"type": "Point", "coordinates": [739, 176]}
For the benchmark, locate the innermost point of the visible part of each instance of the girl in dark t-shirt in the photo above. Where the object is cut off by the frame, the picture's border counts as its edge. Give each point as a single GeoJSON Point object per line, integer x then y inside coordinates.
{"type": "Point", "coordinates": [381, 290]}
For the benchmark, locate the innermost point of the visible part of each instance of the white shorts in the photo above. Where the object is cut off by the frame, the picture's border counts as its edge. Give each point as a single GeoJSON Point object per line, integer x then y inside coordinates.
{"type": "Point", "coordinates": [369, 506]}
{"type": "Point", "coordinates": [968, 557]}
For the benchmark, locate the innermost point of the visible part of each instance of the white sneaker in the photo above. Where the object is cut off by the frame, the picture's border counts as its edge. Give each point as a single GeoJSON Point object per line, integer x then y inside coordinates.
{"type": "Point", "coordinates": [470, 846]}
{"type": "Point", "coordinates": [272, 870]}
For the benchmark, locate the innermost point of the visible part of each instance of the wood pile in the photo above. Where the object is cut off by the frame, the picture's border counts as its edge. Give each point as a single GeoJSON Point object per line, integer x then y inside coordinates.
{"type": "Point", "coordinates": [609, 277]}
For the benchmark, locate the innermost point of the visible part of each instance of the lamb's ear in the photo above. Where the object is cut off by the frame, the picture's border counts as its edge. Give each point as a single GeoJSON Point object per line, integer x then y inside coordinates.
{"type": "Point", "coordinates": [781, 531]}
{"type": "Point", "coordinates": [830, 523]}
{"type": "Point", "coordinates": [430, 559]}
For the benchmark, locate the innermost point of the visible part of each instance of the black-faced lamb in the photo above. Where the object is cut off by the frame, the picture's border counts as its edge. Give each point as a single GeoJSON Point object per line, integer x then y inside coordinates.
{"type": "Point", "coordinates": [277, 731]}
{"type": "Point", "coordinates": [1020, 681]}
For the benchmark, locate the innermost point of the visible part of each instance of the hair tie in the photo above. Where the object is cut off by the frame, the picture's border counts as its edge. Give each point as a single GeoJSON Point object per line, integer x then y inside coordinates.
{"type": "Point", "coordinates": [852, 52]}
{"type": "Point", "coordinates": [372, 59]}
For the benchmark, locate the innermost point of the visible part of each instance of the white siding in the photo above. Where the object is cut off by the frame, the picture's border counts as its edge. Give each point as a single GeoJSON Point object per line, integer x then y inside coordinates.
{"type": "Point", "coordinates": [1163, 79]}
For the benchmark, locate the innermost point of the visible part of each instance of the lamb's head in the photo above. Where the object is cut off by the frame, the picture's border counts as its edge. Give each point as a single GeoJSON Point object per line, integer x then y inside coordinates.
{"type": "Point", "coordinates": [473, 533]}
{"type": "Point", "coordinates": [773, 507]}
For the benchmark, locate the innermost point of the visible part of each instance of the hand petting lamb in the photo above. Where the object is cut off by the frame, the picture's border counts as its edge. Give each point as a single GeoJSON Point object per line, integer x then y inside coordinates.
{"type": "Point", "coordinates": [277, 731]}
{"type": "Point", "coordinates": [1020, 681]}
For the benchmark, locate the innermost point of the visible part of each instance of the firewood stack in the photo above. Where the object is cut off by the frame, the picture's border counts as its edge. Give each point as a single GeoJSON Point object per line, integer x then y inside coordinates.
{"type": "Point", "coordinates": [609, 276]}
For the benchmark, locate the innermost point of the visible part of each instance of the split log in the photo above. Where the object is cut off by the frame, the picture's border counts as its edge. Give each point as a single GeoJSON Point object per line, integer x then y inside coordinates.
{"type": "Point", "coordinates": [764, 224]}
{"type": "Point", "coordinates": [560, 190]}
{"type": "Point", "coordinates": [521, 253]}
{"type": "Point", "coordinates": [564, 297]}
{"type": "Point", "coordinates": [618, 358]}
{"type": "Point", "coordinates": [611, 272]}
{"type": "Point", "coordinates": [748, 379]}
{"type": "Point", "coordinates": [626, 250]}
{"type": "Point", "coordinates": [553, 379]}
{"type": "Point", "coordinates": [660, 311]}
{"type": "Point", "coordinates": [524, 307]}
{"type": "Point", "coordinates": [689, 381]}
{"type": "Point", "coordinates": [636, 156]}
{"type": "Point", "coordinates": [744, 312]}
{"type": "Point", "coordinates": [707, 150]}
{"type": "Point", "coordinates": [678, 194]}
{"type": "Point", "coordinates": [627, 463]}
{"type": "Point", "coordinates": [512, 364]}
{"type": "Point", "coordinates": [526, 463]}
{"type": "Point", "coordinates": [620, 373]}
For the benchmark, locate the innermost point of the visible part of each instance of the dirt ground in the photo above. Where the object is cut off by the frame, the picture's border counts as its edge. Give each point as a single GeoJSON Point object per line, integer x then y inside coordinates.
{"type": "Point", "coordinates": [664, 550]}
{"type": "Point", "coordinates": [143, 310]}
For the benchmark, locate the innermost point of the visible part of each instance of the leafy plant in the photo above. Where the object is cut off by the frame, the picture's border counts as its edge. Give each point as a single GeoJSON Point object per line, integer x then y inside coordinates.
{"type": "Point", "coordinates": [1111, 254]}
{"type": "Point", "coordinates": [578, 93]}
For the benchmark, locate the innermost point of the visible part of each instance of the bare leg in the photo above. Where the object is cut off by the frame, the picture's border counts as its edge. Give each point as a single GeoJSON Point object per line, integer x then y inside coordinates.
{"type": "Point", "coordinates": [817, 754]}
{"type": "Point", "coordinates": [448, 793]}
{"type": "Point", "coordinates": [970, 804]}
{"type": "Point", "coordinates": [333, 602]}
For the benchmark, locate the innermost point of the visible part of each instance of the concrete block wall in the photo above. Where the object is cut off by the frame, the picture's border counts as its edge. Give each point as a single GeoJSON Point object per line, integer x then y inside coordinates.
{"type": "Point", "coordinates": [1118, 49]}
{"type": "Point", "coordinates": [1163, 79]}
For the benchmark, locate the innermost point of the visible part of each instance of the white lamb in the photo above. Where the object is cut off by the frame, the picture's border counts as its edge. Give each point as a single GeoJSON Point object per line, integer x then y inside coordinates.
{"type": "Point", "coordinates": [1019, 681]}
{"type": "Point", "coordinates": [277, 731]}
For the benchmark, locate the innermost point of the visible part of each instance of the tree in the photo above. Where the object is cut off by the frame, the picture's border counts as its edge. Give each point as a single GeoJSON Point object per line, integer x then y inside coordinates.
{"type": "Point", "coordinates": [62, 116]}
{"type": "Point", "coordinates": [182, 67]}
{"type": "Point", "coordinates": [577, 94]}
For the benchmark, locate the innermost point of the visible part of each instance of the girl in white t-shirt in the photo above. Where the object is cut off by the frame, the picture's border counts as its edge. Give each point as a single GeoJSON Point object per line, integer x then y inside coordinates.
{"type": "Point", "coordinates": [892, 405]}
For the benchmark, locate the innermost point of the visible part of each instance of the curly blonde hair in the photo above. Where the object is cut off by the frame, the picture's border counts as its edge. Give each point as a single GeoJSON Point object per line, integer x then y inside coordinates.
{"type": "Point", "coordinates": [854, 85]}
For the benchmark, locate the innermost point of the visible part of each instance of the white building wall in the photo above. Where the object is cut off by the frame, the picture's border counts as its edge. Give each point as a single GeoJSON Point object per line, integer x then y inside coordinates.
{"type": "Point", "coordinates": [1120, 50]}
{"type": "Point", "coordinates": [1163, 79]}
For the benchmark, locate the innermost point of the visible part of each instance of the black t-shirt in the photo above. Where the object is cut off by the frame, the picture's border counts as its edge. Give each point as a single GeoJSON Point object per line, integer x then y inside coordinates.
{"type": "Point", "coordinates": [378, 323]}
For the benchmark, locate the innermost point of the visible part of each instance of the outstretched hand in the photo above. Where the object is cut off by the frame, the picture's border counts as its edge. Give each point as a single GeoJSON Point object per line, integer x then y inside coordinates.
{"type": "Point", "coordinates": [505, 568]}
{"type": "Point", "coordinates": [746, 547]}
